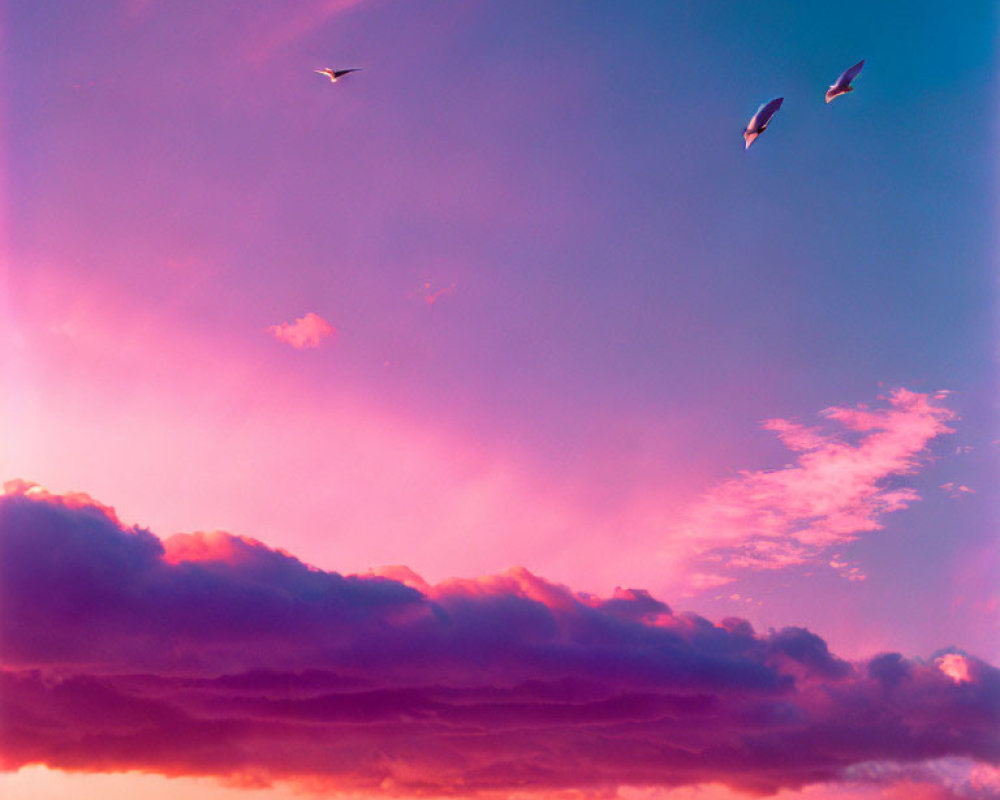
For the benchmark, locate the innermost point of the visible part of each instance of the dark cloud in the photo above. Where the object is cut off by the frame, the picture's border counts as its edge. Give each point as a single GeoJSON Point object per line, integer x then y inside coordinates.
{"type": "Point", "coordinates": [211, 654]}
{"type": "Point", "coordinates": [888, 668]}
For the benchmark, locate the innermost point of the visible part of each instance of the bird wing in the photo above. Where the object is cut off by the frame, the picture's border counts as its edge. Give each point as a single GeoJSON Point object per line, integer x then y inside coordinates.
{"type": "Point", "coordinates": [340, 72]}
{"type": "Point", "coordinates": [849, 74]}
{"type": "Point", "coordinates": [764, 114]}
{"type": "Point", "coordinates": [753, 124]}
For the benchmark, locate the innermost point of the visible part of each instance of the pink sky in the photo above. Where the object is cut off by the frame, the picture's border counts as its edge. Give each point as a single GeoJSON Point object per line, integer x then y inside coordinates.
{"type": "Point", "coordinates": [348, 485]}
{"type": "Point", "coordinates": [506, 345]}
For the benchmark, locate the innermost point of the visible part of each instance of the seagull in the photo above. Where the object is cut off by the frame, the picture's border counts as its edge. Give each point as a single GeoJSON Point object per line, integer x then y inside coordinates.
{"type": "Point", "coordinates": [759, 122]}
{"type": "Point", "coordinates": [333, 74]}
{"type": "Point", "coordinates": [843, 83]}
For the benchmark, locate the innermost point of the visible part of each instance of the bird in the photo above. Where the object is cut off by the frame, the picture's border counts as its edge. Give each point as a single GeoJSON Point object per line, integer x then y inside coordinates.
{"type": "Point", "coordinates": [843, 84]}
{"type": "Point", "coordinates": [759, 121]}
{"type": "Point", "coordinates": [334, 74]}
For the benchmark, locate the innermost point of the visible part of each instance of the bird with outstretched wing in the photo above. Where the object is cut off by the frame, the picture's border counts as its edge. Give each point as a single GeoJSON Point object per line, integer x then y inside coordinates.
{"type": "Point", "coordinates": [843, 84]}
{"type": "Point", "coordinates": [334, 74]}
{"type": "Point", "coordinates": [759, 121]}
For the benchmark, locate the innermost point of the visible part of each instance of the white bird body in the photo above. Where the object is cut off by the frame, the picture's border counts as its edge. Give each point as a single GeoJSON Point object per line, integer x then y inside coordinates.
{"type": "Point", "coordinates": [334, 74]}
{"type": "Point", "coordinates": [760, 120]}
{"type": "Point", "coordinates": [843, 84]}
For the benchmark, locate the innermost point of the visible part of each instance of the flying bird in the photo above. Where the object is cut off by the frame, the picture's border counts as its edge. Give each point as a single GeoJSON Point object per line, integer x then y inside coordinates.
{"type": "Point", "coordinates": [759, 121]}
{"type": "Point", "coordinates": [334, 74]}
{"type": "Point", "coordinates": [843, 84]}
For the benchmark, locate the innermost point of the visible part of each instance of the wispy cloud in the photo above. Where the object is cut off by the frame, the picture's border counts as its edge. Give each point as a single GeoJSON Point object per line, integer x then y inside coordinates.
{"type": "Point", "coordinates": [957, 489]}
{"type": "Point", "coordinates": [307, 331]}
{"type": "Point", "coordinates": [428, 294]}
{"type": "Point", "coordinates": [937, 779]}
{"type": "Point", "coordinates": [840, 485]}
{"type": "Point", "coordinates": [275, 32]}
{"type": "Point", "coordinates": [847, 569]}
{"type": "Point", "coordinates": [208, 654]}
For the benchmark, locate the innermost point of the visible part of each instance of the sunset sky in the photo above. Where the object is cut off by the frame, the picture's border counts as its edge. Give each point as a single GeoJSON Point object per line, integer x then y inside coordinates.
{"type": "Point", "coordinates": [652, 466]}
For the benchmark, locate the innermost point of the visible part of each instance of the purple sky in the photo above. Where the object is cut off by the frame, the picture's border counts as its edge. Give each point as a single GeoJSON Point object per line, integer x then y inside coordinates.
{"type": "Point", "coordinates": [514, 295]}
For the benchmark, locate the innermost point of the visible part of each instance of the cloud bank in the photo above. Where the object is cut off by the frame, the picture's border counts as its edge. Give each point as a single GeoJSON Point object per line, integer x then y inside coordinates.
{"type": "Point", "coordinates": [209, 654]}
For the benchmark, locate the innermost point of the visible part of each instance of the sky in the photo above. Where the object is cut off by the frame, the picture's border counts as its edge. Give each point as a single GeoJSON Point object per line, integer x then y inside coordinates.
{"type": "Point", "coordinates": [491, 422]}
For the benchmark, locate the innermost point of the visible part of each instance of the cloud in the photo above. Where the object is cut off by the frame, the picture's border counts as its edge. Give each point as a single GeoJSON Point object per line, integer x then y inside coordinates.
{"type": "Point", "coordinates": [307, 331]}
{"type": "Point", "coordinates": [955, 666]}
{"type": "Point", "coordinates": [274, 32]}
{"type": "Point", "coordinates": [840, 485]}
{"type": "Point", "coordinates": [847, 569]}
{"type": "Point", "coordinates": [937, 779]}
{"type": "Point", "coordinates": [429, 295]}
{"type": "Point", "coordinates": [209, 654]}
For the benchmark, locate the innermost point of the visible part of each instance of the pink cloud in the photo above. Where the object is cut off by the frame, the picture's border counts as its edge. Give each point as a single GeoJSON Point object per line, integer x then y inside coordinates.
{"type": "Point", "coordinates": [956, 489]}
{"type": "Point", "coordinates": [430, 295]}
{"type": "Point", "coordinates": [839, 486]}
{"type": "Point", "coordinates": [209, 654]}
{"type": "Point", "coordinates": [307, 331]}
{"type": "Point", "coordinates": [272, 33]}
{"type": "Point", "coordinates": [955, 666]}
{"type": "Point", "coordinates": [936, 779]}
{"type": "Point", "coordinates": [847, 569]}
